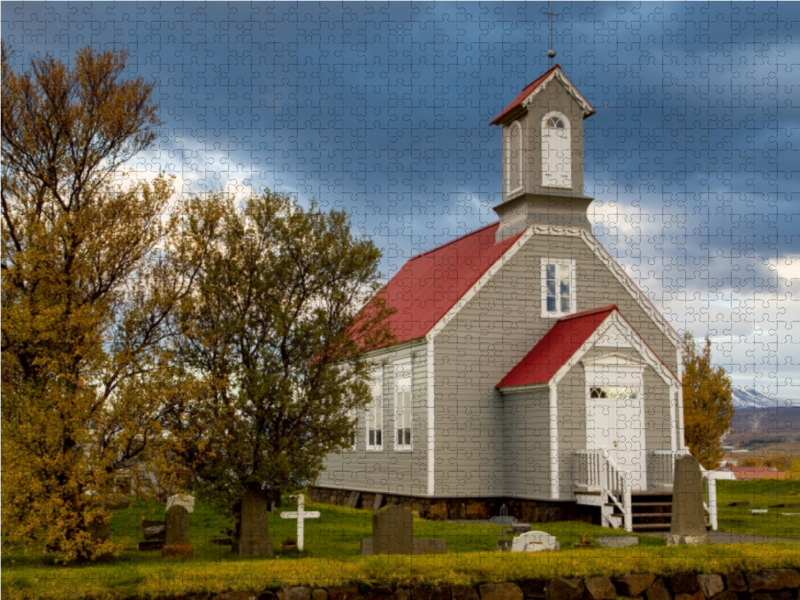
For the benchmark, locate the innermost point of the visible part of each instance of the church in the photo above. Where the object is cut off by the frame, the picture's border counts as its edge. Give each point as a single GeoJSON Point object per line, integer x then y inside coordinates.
{"type": "Point", "coordinates": [529, 370]}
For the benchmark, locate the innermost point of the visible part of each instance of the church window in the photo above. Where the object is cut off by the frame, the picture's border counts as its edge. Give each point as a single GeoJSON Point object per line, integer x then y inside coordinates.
{"type": "Point", "coordinates": [514, 156]}
{"type": "Point", "coordinates": [556, 151]}
{"type": "Point", "coordinates": [375, 413]}
{"type": "Point", "coordinates": [402, 406]}
{"type": "Point", "coordinates": [558, 287]}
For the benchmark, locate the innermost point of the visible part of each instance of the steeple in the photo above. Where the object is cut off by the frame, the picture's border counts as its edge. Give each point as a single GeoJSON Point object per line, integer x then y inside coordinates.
{"type": "Point", "coordinates": [543, 156]}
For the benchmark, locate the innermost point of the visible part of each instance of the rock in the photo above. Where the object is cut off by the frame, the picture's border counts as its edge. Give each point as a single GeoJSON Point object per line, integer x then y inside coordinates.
{"type": "Point", "coordinates": [268, 595]}
{"type": "Point", "coordinates": [344, 592]}
{"type": "Point", "coordinates": [426, 592]}
{"type": "Point", "coordinates": [299, 592]}
{"type": "Point", "coordinates": [379, 592]}
{"type": "Point", "coordinates": [698, 595]}
{"type": "Point", "coordinates": [534, 541]}
{"type": "Point", "coordinates": [711, 585]}
{"type": "Point", "coordinates": [117, 502]}
{"type": "Point", "coordinates": [633, 585]}
{"type": "Point", "coordinates": [236, 596]}
{"type": "Point", "coordinates": [438, 511]}
{"type": "Point", "coordinates": [402, 594]}
{"type": "Point", "coordinates": [533, 588]}
{"type": "Point", "coordinates": [500, 591]}
{"type": "Point", "coordinates": [169, 552]}
{"type": "Point", "coordinates": [736, 582]}
{"type": "Point", "coordinates": [617, 541]}
{"type": "Point", "coordinates": [600, 588]}
{"type": "Point", "coordinates": [774, 595]}
{"type": "Point", "coordinates": [477, 511]}
{"type": "Point", "coordinates": [683, 583]}
{"type": "Point", "coordinates": [657, 591]}
{"type": "Point", "coordinates": [464, 592]}
{"type": "Point", "coordinates": [319, 595]}
{"type": "Point", "coordinates": [773, 579]}
{"type": "Point", "coordinates": [728, 595]}
{"type": "Point", "coordinates": [563, 588]}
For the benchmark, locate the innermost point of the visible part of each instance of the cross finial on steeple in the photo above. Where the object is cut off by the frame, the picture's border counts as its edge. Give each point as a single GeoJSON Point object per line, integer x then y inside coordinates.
{"type": "Point", "coordinates": [551, 53]}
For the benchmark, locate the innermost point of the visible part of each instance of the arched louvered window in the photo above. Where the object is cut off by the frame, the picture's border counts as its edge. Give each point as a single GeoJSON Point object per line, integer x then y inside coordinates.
{"type": "Point", "coordinates": [556, 151]}
{"type": "Point", "coordinates": [513, 158]}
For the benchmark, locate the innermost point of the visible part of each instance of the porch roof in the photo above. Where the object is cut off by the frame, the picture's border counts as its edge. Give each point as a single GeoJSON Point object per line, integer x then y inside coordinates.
{"type": "Point", "coordinates": [556, 347]}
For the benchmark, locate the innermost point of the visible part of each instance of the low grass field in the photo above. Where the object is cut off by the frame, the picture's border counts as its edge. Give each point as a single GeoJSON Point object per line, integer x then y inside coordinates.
{"type": "Point", "coordinates": [333, 542]}
{"type": "Point", "coordinates": [762, 494]}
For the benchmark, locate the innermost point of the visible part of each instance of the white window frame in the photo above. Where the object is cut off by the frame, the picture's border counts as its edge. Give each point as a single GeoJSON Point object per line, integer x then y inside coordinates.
{"type": "Point", "coordinates": [403, 415]}
{"type": "Point", "coordinates": [558, 262]}
{"type": "Point", "coordinates": [353, 413]}
{"type": "Point", "coordinates": [509, 157]}
{"type": "Point", "coordinates": [374, 413]}
{"type": "Point", "coordinates": [549, 180]}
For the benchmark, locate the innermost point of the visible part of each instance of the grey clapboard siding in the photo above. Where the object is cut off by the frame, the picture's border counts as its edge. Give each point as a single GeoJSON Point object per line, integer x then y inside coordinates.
{"type": "Point", "coordinates": [387, 470]}
{"type": "Point", "coordinates": [488, 337]}
{"type": "Point", "coordinates": [526, 448]}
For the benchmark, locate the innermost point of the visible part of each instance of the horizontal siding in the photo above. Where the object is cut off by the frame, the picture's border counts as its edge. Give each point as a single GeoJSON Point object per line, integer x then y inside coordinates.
{"type": "Point", "coordinates": [388, 471]}
{"type": "Point", "coordinates": [488, 337]}
{"type": "Point", "coordinates": [526, 428]}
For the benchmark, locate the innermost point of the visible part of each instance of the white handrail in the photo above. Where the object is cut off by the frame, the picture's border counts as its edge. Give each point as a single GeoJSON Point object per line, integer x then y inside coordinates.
{"type": "Point", "coordinates": [596, 469]}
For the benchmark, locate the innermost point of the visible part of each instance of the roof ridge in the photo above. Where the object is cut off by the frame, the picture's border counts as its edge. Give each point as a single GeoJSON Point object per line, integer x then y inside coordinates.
{"type": "Point", "coordinates": [453, 241]}
{"type": "Point", "coordinates": [591, 311]}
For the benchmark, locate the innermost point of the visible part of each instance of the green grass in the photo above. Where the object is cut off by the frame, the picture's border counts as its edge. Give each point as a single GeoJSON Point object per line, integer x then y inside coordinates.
{"type": "Point", "coordinates": [333, 543]}
{"type": "Point", "coordinates": [763, 493]}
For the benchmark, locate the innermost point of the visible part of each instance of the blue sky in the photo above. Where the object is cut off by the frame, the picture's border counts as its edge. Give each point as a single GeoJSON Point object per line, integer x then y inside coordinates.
{"type": "Point", "coordinates": [384, 109]}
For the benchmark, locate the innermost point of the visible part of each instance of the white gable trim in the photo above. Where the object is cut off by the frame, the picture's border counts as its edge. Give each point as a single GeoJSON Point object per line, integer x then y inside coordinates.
{"type": "Point", "coordinates": [477, 286]}
{"type": "Point", "coordinates": [633, 338]}
{"type": "Point", "coordinates": [586, 108]}
{"type": "Point", "coordinates": [619, 273]}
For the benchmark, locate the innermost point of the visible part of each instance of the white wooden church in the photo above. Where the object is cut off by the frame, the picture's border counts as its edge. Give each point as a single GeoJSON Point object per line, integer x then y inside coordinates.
{"type": "Point", "coordinates": [529, 369]}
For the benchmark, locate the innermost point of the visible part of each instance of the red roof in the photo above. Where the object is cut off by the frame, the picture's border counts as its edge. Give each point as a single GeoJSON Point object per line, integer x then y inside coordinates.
{"type": "Point", "coordinates": [529, 89]}
{"type": "Point", "coordinates": [556, 347]}
{"type": "Point", "coordinates": [429, 284]}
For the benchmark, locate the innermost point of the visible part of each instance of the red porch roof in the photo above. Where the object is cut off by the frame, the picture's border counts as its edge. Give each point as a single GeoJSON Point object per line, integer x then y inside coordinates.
{"type": "Point", "coordinates": [431, 283]}
{"type": "Point", "coordinates": [556, 347]}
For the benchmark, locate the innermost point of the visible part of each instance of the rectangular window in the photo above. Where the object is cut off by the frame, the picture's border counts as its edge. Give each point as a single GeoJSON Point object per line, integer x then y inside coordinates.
{"type": "Point", "coordinates": [402, 406]}
{"type": "Point", "coordinates": [558, 287]}
{"type": "Point", "coordinates": [375, 413]}
{"type": "Point", "coordinates": [352, 439]}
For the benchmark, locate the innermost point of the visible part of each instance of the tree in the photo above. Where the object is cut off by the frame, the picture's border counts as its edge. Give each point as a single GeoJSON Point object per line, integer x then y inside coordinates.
{"type": "Point", "coordinates": [707, 405]}
{"type": "Point", "coordinates": [271, 339]}
{"type": "Point", "coordinates": [84, 295]}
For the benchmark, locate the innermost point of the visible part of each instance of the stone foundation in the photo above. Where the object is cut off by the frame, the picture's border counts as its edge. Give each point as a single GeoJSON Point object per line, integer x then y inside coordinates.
{"type": "Point", "coordinates": [769, 584]}
{"type": "Point", "coordinates": [440, 509]}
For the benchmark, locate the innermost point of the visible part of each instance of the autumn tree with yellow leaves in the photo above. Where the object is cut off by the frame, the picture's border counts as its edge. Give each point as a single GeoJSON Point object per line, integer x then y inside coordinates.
{"type": "Point", "coordinates": [84, 295]}
{"type": "Point", "coordinates": [707, 405]}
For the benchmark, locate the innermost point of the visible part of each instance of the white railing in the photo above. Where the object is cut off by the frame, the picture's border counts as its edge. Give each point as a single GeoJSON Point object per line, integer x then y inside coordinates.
{"type": "Point", "coordinates": [664, 475]}
{"type": "Point", "coordinates": [597, 471]}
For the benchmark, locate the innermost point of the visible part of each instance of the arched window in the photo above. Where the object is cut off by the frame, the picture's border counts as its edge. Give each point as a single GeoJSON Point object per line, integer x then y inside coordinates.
{"type": "Point", "coordinates": [513, 158]}
{"type": "Point", "coordinates": [556, 151]}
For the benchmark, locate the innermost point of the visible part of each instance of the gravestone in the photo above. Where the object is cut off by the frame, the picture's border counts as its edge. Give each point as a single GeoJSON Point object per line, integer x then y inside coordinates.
{"type": "Point", "coordinates": [301, 514]}
{"type": "Point", "coordinates": [503, 519]}
{"type": "Point", "coordinates": [688, 515]}
{"type": "Point", "coordinates": [177, 543]}
{"type": "Point", "coordinates": [393, 533]}
{"type": "Point", "coordinates": [184, 500]}
{"type": "Point", "coordinates": [534, 541]}
{"type": "Point", "coordinates": [254, 527]}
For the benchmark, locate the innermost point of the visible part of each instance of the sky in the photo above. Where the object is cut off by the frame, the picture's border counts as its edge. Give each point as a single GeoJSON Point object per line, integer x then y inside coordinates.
{"type": "Point", "coordinates": [383, 110]}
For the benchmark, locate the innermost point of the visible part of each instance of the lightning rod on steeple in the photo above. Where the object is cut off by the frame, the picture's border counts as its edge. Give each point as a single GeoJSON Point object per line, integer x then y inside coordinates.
{"type": "Point", "coordinates": [551, 53]}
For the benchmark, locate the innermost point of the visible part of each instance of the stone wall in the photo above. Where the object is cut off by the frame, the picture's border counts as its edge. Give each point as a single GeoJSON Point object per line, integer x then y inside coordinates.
{"type": "Point", "coordinates": [770, 584]}
{"type": "Point", "coordinates": [529, 511]}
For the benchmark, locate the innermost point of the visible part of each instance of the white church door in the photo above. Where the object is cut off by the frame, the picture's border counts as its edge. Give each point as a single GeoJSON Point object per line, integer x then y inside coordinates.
{"type": "Point", "coordinates": [615, 418]}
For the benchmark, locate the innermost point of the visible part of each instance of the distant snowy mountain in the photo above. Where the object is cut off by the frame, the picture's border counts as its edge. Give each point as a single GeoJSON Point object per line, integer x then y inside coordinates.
{"type": "Point", "coordinates": [752, 398]}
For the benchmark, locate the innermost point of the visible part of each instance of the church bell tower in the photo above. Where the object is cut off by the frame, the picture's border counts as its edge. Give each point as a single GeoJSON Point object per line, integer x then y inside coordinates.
{"type": "Point", "coordinates": [543, 156]}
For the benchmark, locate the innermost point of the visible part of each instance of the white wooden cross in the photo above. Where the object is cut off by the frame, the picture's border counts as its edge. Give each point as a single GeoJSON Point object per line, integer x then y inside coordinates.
{"type": "Point", "coordinates": [301, 515]}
